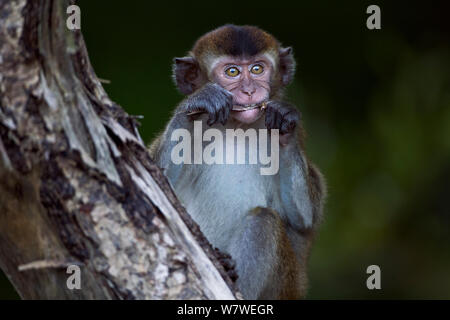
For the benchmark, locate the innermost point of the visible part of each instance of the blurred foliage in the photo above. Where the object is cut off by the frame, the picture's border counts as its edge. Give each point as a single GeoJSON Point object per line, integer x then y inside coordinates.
{"type": "Point", "coordinates": [376, 106]}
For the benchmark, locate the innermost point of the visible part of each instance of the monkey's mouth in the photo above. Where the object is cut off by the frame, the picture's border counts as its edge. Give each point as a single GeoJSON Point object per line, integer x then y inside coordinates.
{"type": "Point", "coordinates": [249, 113]}
{"type": "Point", "coordinates": [240, 108]}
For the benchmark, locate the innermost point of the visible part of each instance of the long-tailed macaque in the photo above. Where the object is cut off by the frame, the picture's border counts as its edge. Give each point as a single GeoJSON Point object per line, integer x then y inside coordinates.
{"type": "Point", "coordinates": [233, 78]}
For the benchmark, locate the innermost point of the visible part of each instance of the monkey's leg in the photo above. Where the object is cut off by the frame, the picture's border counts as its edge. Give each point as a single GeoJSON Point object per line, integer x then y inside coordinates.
{"type": "Point", "coordinates": [265, 260]}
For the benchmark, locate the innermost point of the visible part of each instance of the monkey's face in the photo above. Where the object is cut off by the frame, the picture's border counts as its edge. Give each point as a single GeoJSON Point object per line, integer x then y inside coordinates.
{"type": "Point", "coordinates": [243, 60]}
{"type": "Point", "coordinates": [248, 79]}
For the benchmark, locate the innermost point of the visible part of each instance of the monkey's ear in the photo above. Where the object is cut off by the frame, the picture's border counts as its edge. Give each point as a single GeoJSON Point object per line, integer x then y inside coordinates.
{"type": "Point", "coordinates": [187, 75]}
{"type": "Point", "coordinates": [287, 65]}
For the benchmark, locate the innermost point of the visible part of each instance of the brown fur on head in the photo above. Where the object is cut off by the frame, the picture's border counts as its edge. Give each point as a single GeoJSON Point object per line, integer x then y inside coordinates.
{"type": "Point", "coordinates": [237, 41]}
{"type": "Point", "coordinates": [193, 71]}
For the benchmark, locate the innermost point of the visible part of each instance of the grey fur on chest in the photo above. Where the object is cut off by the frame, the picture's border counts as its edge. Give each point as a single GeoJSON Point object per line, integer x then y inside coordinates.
{"type": "Point", "coordinates": [218, 196]}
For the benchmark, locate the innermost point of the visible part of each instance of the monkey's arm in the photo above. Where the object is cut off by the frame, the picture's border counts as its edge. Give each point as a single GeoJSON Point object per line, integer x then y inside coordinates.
{"type": "Point", "coordinates": [302, 186]}
{"type": "Point", "coordinates": [212, 99]}
{"type": "Point", "coordinates": [161, 147]}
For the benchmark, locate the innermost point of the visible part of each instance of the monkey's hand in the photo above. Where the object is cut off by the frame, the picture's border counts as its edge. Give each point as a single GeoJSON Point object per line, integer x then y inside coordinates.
{"type": "Point", "coordinates": [282, 116]}
{"type": "Point", "coordinates": [212, 99]}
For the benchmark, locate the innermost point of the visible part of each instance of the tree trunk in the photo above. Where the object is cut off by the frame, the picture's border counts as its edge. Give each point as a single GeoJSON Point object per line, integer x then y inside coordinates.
{"type": "Point", "coordinates": [77, 186]}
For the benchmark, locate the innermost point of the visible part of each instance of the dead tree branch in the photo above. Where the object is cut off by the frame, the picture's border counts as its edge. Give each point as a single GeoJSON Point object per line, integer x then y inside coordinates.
{"type": "Point", "coordinates": [77, 185]}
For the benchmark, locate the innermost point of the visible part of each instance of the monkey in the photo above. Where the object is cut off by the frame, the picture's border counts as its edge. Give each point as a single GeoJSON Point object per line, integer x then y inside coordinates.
{"type": "Point", "coordinates": [234, 77]}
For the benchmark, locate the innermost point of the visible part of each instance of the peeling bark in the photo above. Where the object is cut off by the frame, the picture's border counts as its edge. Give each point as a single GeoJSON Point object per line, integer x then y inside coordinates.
{"type": "Point", "coordinates": [77, 185]}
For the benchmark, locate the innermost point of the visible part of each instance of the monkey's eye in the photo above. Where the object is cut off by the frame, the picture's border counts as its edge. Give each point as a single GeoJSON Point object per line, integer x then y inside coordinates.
{"type": "Point", "coordinates": [232, 72]}
{"type": "Point", "coordinates": [257, 69]}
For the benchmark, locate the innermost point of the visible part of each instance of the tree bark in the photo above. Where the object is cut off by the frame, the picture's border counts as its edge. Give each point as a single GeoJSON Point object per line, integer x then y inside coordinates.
{"type": "Point", "coordinates": [77, 186]}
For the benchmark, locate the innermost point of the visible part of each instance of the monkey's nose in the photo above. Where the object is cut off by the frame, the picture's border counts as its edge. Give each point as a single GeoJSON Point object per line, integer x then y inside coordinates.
{"type": "Point", "coordinates": [248, 91]}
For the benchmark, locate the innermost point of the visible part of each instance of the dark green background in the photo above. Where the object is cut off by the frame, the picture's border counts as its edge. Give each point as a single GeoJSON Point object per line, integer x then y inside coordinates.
{"type": "Point", "coordinates": [376, 106]}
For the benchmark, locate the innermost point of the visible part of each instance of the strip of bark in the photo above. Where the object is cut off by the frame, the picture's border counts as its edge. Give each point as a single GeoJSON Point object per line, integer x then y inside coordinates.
{"type": "Point", "coordinates": [77, 185]}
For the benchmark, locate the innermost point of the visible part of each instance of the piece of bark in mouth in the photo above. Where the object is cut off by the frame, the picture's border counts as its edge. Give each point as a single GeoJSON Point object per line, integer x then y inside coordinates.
{"type": "Point", "coordinates": [236, 108]}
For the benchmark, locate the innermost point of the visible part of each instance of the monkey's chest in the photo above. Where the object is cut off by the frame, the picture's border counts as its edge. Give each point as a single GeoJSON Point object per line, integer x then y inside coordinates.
{"type": "Point", "coordinates": [219, 196]}
{"type": "Point", "coordinates": [237, 171]}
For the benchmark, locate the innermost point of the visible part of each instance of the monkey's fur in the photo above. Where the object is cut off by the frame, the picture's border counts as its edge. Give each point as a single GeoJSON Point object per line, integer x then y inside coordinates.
{"type": "Point", "coordinates": [266, 223]}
